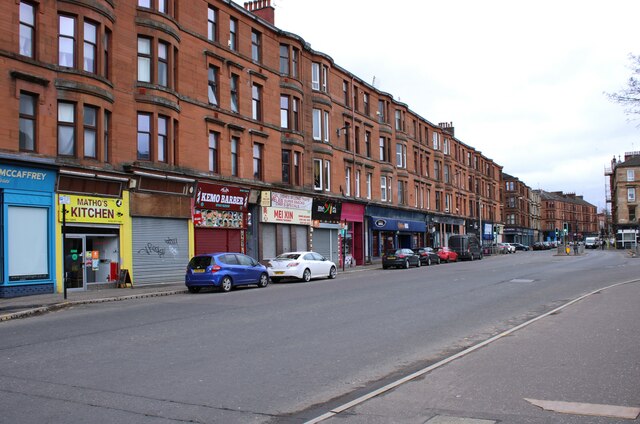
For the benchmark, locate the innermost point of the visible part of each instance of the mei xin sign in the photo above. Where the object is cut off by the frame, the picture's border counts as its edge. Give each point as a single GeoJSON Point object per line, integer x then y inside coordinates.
{"type": "Point", "coordinates": [218, 197]}
{"type": "Point", "coordinates": [96, 210]}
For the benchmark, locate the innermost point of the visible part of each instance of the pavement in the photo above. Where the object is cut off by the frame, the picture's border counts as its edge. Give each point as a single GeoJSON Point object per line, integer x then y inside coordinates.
{"type": "Point", "coordinates": [578, 364]}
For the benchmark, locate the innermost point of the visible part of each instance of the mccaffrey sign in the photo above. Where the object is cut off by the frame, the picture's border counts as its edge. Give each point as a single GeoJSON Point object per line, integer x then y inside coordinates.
{"type": "Point", "coordinates": [217, 197]}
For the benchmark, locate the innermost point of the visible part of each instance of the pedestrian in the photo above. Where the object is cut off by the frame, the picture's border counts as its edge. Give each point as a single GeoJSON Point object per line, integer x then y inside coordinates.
{"type": "Point", "coordinates": [575, 247]}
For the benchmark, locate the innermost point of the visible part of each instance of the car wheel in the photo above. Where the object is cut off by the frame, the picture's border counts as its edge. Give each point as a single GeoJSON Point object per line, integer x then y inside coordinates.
{"type": "Point", "coordinates": [263, 281]}
{"type": "Point", "coordinates": [226, 285]}
{"type": "Point", "coordinates": [333, 272]}
{"type": "Point", "coordinates": [428, 261]}
{"type": "Point", "coordinates": [193, 289]}
{"type": "Point", "coordinates": [406, 264]}
{"type": "Point", "coordinates": [471, 257]}
{"type": "Point", "coordinates": [438, 261]}
{"type": "Point", "coordinates": [419, 264]}
{"type": "Point", "coordinates": [306, 275]}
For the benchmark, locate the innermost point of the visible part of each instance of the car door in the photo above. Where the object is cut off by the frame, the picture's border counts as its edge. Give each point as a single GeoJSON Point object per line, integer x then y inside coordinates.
{"type": "Point", "coordinates": [232, 267]}
{"type": "Point", "coordinates": [323, 264]}
{"type": "Point", "coordinates": [311, 263]}
{"type": "Point", "coordinates": [246, 270]}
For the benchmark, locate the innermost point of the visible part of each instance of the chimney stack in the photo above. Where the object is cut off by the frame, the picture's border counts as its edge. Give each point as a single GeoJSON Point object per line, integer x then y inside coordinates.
{"type": "Point", "coordinates": [262, 9]}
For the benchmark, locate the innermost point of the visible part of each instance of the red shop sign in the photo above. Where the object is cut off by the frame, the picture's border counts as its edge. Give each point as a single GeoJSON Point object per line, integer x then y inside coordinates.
{"type": "Point", "coordinates": [219, 197]}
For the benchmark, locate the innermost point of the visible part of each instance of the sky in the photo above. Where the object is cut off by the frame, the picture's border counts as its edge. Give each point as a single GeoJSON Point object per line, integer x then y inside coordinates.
{"type": "Point", "coordinates": [522, 82]}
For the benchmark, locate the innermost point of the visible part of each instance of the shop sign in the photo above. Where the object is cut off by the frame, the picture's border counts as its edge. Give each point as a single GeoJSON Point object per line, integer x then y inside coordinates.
{"type": "Point", "coordinates": [289, 201]}
{"type": "Point", "coordinates": [380, 223]}
{"type": "Point", "coordinates": [265, 198]}
{"type": "Point", "coordinates": [328, 211]}
{"type": "Point", "coordinates": [218, 219]}
{"type": "Point", "coordinates": [285, 216]}
{"type": "Point", "coordinates": [96, 210]}
{"type": "Point", "coordinates": [17, 177]}
{"type": "Point", "coordinates": [218, 197]}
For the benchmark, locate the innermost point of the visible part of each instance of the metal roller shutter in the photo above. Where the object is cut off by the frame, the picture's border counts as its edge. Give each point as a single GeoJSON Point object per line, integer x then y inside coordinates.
{"type": "Point", "coordinates": [160, 250]}
{"type": "Point", "coordinates": [301, 238]}
{"type": "Point", "coordinates": [268, 241]}
{"type": "Point", "coordinates": [325, 242]}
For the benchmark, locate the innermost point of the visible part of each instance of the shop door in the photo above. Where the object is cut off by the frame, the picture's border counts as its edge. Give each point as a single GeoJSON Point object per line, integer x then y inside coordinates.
{"type": "Point", "coordinates": [74, 248]}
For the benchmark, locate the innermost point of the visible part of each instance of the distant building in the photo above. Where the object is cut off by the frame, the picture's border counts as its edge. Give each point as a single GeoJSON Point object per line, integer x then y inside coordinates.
{"type": "Point", "coordinates": [567, 210]}
{"type": "Point", "coordinates": [624, 184]}
{"type": "Point", "coordinates": [521, 212]}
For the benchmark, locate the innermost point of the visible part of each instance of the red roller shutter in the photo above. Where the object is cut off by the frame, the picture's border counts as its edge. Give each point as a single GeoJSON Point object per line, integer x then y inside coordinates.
{"type": "Point", "coordinates": [217, 240]}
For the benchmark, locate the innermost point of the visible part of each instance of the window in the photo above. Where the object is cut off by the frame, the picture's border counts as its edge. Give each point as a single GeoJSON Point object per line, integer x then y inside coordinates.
{"type": "Point", "coordinates": [27, 137]}
{"type": "Point", "coordinates": [356, 140]}
{"type": "Point", "coordinates": [257, 161]}
{"type": "Point", "coordinates": [383, 189]}
{"type": "Point", "coordinates": [445, 147]}
{"type": "Point", "coordinates": [286, 166]}
{"type": "Point", "coordinates": [233, 34]}
{"type": "Point", "coordinates": [367, 143]}
{"type": "Point", "coordinates": [369, 178]}
{"type": "Point", "coordinates": [357, 183]}
{"type": "Point", "coordinates": [381, 110]}
{"type": "Point", "coordinates": [289, 112]}
{"type": "Point", "coordinates": [295, 58]}
{"type": "Point", "coordinates": [345, 90]}
{"type": "Point", "coordinates": [163, 64]}
{"type": "Point", "coordinates": [296, 168]}
{"type": "Point", "coordinates": [436, 141]}
{"type": "Point", "coordinates": [347, 182]}
{"type": "Point", "coordinates": [398, 120]}
{"type": "Point", "coordinates": [106, 64]}
{"type": "Point", "coordinates": [107, 130]}
{"type": "Point", "coordinates": [66, 129]}
{"type": "Point", "coordinates": [446, 174]}
{"type": "Point", "coordinates": [162, 138]}
{"type": "Point", "coordinates": [256, 47]}
{"type": "Point", "coordinates": [327, 175]}
{"type": "Point", "coordinates": [144, 136]}
{"type": "Point", "coordinates": [90, 47]}
{"type": "Point", "coordinates": [402, 193]}
{"type": "Point", "coordinates": [144, 59]}
{"type": "Point", "coordinates": [212, 26]}
{"type": "Point", "coordinates": [90, 118]}
{"type": "Point", "coordinates": [235, 141]}
{"type": "Point", "coordinates": [162, 6]}
{"type": "Point", "coordinates": [317, 174]}
{"type": "Point", "coordinates": [365, 100]}
{"type": "Point", "coordinates": [213, 86]}
{"type": "Point", "coordinates": [256, 102]}
{"type": "Point", "coordinates": [213, 152]}
{"type": "Point", "coordinates": [284, 111]}
{"type": "Point", "coordinates": [401, 155]}
{"type": "Point", "coordinates": [325, 126]}
{"type": "Point", "coordinates": [26, 231]}
{"type": "Point", "coordinates": [66, 41]}
{"type": "Point", "coordinates": [632, 213]}
{"type": "Point", "coordinates": [631, 175]}
{"type": "Point", "coordinates": [438, 200]}
{"type": "Point", "coordinates": [317, 131]}
{"type": "Point", "coordinates": [284, 59]}
{"type": "Point", "coordinates": [315, 76]}
{"type": "Point", "coordinates": [631, 194]}
{"type": "Point", "coordinates": [145, 3]}
{"type": "Point", "coordinates": [385, 149]}
{"type": "Point", "coordinates": [325, 79]}
{"type": "Point", "coordinates": [235, 105]}
{"type": "Point", "coordinates": [436, 170]}
{"type": "Point", "coordinates": [27, 29]}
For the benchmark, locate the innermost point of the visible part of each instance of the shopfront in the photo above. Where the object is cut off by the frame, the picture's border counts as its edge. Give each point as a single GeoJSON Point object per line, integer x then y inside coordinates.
{"type": "Point", "coordinates": [91, 228]}
{"type": "Point", "coordinates": [220, 218]}
{"type": "Point", "coordinates": [27, 203]}
{"type": "Point", "coordinates": [352, 218]}
{"type": "Point", "coordinates": [285, 222]}
{"type": "Point", "coordinates": [440, 228]}
{"type": "Point", "coordinates": [326, 228]}
{"type": "Point", "coordinates": [393, 229]}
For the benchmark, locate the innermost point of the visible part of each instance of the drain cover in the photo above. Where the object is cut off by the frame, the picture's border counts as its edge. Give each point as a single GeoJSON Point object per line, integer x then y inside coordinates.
{"type": "Point", "coordinates": [521, 280]}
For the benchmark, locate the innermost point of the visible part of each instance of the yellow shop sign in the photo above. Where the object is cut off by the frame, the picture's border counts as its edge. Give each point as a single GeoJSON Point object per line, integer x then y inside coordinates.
{"type": "Point", "coordinates": [98, 210]}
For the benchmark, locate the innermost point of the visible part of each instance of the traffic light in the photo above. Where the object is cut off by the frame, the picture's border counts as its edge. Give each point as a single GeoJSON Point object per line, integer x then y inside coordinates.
{"type": "Point", "coordinates": [556, 233]}
{"type": "Point", "coordinates": [566, 228]}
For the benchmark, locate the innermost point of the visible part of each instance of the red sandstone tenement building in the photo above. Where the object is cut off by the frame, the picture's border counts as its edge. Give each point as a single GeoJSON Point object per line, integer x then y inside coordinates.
{"type": "Point", "coordinates": [163, 110]}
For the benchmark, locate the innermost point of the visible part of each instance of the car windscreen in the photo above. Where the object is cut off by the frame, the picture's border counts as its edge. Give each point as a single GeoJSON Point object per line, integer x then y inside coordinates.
{"type": "Point", "coordinates": [288, 257]}
{"type": "Point", "coordinates": [200, 262]}
{"type": "Point", "coordinates": [392, 252]}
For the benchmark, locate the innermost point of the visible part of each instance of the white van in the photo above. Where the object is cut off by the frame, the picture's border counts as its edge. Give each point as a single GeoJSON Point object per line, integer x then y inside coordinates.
{"type": "Point", "coordinates": [591, 243]}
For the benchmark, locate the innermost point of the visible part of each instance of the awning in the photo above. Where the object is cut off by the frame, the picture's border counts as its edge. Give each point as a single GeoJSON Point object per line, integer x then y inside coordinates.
{"type": "Point", "coordinates": [389, 224]}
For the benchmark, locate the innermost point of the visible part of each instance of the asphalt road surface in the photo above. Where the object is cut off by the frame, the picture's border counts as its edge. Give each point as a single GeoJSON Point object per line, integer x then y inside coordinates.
{"type": "Point", "coordinates": [275, 354]}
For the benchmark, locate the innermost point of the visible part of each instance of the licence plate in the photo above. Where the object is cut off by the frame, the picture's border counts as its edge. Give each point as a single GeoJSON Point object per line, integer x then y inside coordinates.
{"type": "Point", "coordinates": [198, 270]}
{"type": "Point", "coordinates": [391, 257]}
{"type": "Point", "coordinates": [278, 272]}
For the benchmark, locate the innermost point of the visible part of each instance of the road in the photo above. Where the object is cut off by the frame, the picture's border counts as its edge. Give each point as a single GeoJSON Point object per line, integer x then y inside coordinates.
{"type": "Point", "coordinates": [266, 355]}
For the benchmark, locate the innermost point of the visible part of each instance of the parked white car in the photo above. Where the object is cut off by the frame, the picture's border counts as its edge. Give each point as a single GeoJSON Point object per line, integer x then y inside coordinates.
{"type": "Point", "coordinates": [512, 247]}
{"type": "Point", "coordinates": [300, 265]}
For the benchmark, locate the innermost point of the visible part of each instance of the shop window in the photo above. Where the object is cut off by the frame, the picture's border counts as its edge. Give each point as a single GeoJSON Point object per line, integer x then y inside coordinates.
{"type": "Point", "coordinates": [28, 231]}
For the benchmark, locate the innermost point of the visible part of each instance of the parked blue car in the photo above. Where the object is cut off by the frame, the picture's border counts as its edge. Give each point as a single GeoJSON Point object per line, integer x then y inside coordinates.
{"type": "Point", "coordinates": [224, 271]}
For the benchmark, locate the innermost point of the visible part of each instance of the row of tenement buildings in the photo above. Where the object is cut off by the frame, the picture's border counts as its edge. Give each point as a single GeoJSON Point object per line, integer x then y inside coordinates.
{"type": "Point", "coordinates": [623, 182]}
{"type": "Point", "coordinates": [138, 133]}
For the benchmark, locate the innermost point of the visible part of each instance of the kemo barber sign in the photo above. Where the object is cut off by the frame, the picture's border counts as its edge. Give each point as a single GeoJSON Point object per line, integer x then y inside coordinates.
{"type": "Point", "coordinates": [219, 197]}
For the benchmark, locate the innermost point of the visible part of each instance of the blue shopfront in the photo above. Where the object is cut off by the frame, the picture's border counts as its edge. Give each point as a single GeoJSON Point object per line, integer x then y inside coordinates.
{"type": "Point", "coordinates": [392, 229]}
{"type": "Point", "coordinates": [28, 230]}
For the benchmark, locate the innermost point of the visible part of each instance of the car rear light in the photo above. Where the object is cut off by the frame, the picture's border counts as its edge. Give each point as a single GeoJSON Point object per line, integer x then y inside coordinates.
{"type": "Point", "coordinates": [215, 268]}
{"type": "Point", "coordinates": [292, 264]}
{"type": "Point", "coordinates": [401, 256]}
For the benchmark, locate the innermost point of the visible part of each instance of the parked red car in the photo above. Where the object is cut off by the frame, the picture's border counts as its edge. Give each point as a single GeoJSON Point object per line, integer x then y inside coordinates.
{"type": "Point", "coordinates": [447, 255]}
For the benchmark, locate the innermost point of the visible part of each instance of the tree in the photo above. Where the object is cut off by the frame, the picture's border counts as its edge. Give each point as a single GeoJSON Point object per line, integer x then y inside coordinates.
{"type": "Point", "coordinates": [629, 97]}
